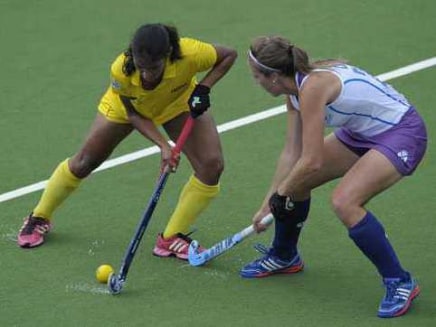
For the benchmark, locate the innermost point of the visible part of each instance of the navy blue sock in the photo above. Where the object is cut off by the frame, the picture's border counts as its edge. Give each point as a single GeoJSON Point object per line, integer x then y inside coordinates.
{"type": "Point", "coordinates": [288, 231]}
{"type": "Point", "coordinates": [370, 237]}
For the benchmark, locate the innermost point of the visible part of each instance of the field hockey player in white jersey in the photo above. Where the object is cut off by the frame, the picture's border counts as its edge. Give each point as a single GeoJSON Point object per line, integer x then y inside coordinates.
{"type": "Point", "coordinates": [379, 139]}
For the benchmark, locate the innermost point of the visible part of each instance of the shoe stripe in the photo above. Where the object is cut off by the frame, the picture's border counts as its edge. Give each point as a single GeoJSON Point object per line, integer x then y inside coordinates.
{"type": "Point", "coordinates": [181, 247]}
{"type": "Point", "coordinates": [400, 302]}
{"type": "Point", "coordinates": [178, 246]}
{"type": "Point", "coordinates": [266, 265]}
{"type": "Point", "coordinates": [270, 265]}
{"type": "Point", "coordinates": [403, 291]}
{"type": "Point", "coordinates": [415, 293]}
{"type": "Point", "coordinates": [174, 246]}
{"type": "Point", "coordinates": [42, 229]}
{"type": "Point", "coordinates": [275, 264]}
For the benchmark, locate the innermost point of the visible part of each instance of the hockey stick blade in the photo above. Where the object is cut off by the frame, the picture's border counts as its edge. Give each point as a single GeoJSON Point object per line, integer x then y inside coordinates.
{"type": "Point", "coordinates": [115, 284]}
{"type": "Point", "coordinates": [197, 258]}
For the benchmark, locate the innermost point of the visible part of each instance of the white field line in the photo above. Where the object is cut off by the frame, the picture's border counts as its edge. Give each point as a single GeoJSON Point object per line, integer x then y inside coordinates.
{"type": "Point", "coordinates": [406, 70]}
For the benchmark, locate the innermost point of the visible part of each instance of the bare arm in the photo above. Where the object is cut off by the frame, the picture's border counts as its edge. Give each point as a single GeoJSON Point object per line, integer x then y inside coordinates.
{"type": "Point", "coordinates": [147, 128]}
{"type": "Point", "coordinates": [289, 156]}
{"type": "Point", "coordinates": [291, 151]}
{"type": "Point", "coordinates": [320, 89]}
{"type": "Point", "coordinates": [225, 59]}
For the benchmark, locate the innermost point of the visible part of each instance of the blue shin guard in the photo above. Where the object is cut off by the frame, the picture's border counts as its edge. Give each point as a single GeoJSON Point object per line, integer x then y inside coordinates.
{"type": "Point", "coordinates": [287, 231]}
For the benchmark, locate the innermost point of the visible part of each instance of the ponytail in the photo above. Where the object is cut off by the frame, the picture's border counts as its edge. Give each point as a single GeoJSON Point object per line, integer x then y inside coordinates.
{"type": "Point", "coordinates": [173, 35]}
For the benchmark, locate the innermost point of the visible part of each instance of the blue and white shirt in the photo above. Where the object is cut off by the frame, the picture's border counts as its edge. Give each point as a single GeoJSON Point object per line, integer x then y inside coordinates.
{"type": "Point", "coordinates": [365, 105]}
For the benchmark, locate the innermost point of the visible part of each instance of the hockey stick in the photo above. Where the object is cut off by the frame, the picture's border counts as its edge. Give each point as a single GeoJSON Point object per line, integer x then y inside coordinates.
{"type": "Point", "coordinates": [115, 282]}
{"type": "Point", "coordinates": [197, 258]}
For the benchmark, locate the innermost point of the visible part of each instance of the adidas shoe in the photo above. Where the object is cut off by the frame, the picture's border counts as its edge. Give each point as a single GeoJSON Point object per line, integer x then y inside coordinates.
{"type": "Point", "coordinates": [32, 232]}
{"type": "Point", "coordinates": [271, 264]}
{"type": "Point", "coordinates": [399, 296]}
{"type": "Point", "coordinates": [176, 246]}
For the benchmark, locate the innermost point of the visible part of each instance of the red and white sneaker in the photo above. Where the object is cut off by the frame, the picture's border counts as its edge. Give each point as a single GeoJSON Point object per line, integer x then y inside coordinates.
{"type": "Point", "coordinates": [176, 246]}
{"type": "Point", "coordinates": [32, 232]}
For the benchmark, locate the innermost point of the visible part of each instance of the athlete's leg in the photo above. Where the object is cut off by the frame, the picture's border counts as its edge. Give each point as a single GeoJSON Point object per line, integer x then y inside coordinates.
{"type": "Point", "coordinates": [103, 137]}
{"type": "Point", "coordinates": [372, 174]}
{"type": "Point", "coordinates": [287, 231]}
{"type": "Point", "coordinates": [203, 150]}
{"type": "Point", "coordinates": [332, 168]}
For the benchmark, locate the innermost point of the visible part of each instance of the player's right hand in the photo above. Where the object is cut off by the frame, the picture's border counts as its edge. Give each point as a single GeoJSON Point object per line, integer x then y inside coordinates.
{"type": "Point", "coordinates": [258, 227]}
{"type": "Point", "coordinates": [170, 159]}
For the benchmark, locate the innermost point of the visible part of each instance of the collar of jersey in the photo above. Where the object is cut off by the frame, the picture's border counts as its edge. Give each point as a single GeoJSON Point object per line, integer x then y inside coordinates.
{"type": "Point", "coordinates": [170, 72]}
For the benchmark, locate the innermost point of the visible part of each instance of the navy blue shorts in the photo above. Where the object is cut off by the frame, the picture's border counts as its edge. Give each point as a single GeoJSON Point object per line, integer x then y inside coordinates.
{"type": "Point", "coordinates": [403, 144]}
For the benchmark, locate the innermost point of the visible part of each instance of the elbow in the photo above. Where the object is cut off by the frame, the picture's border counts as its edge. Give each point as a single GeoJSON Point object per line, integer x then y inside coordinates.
{"type": "Point", "coordinates": [313, 165]}
{"type": "Point", "coordinates": [231, 56]}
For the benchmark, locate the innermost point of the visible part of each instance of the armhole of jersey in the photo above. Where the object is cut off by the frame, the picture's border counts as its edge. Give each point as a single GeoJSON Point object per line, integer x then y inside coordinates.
{"type": "Point", "coordinates": [294, 102]}
{"type": "Point", "coordinates": [334, 73]}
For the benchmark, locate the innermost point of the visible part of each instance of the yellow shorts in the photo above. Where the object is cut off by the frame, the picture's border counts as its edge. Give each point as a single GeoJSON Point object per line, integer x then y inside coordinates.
{"type": "Point", "coordinates": [112, 108]}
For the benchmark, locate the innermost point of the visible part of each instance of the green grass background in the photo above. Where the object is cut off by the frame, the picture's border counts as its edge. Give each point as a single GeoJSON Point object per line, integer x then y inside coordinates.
{"type": "Point", "coordinates": [55, 59]}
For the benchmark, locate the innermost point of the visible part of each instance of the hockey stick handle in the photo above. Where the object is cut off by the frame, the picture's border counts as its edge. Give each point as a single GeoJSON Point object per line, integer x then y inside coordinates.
{"type": "Point", "coordinates": [116, 282]}
{"type": "Point", "coordinates": [267, 220]}
{"type": "Point", "coordinates": [187, 128]}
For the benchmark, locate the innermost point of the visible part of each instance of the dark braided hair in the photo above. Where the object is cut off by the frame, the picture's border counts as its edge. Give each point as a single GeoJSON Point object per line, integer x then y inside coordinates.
{"type": "Point", "coordinates": [156, 41]}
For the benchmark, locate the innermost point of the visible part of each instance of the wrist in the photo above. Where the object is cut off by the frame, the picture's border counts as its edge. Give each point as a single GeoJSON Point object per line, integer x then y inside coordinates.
{"type": "Point", "coordinates": [163, 145]}
{"type": "Point", "coordinates": [202, 89]}
{"type": "Point", "coordinates": [284, 191]}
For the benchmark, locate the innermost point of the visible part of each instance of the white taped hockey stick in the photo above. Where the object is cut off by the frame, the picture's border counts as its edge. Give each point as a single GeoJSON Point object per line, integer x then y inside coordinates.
{"type": "Point", "coordinates": [197, 258]}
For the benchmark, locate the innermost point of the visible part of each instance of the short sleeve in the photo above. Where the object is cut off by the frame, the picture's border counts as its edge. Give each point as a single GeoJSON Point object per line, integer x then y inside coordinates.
{"type": "Point", "coordinates": [203, 55]}
{"type": "Point", "coordinates": [120, 83]}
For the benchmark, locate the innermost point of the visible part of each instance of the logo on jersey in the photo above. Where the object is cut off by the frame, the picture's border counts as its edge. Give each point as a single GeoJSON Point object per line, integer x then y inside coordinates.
{"type": "Point", "coordinates": [115, 85]}
{"type": "Point", "coordinates": [403, 155]}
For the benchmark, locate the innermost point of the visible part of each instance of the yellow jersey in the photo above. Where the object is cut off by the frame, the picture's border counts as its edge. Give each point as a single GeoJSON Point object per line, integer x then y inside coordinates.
{"type": "Point", "coordinates": [170, 97]}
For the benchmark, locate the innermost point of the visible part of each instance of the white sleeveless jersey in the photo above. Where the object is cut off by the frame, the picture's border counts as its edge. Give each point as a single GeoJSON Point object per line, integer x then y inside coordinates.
{"type": "Point", "coordinates": [365, 105]}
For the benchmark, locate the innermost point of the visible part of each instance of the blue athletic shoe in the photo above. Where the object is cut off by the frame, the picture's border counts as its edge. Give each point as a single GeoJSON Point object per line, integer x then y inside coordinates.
{"type": "Point", "coordinates": [398, 298]}
{"type": "Point", "coordinates": [271, 264]}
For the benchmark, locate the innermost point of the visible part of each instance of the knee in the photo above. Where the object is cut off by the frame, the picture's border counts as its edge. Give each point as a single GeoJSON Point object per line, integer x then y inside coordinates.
{"type": "Point", "coordinates": [81, 165]}
{"type": "Point", "coordinates": [218, 165]}
{"type": "Point", "coordinates": [215, 165]}
{"type": "Point", "coordinates": [210, 170]}
{"type": "Point", "coordinates": [341, 204]}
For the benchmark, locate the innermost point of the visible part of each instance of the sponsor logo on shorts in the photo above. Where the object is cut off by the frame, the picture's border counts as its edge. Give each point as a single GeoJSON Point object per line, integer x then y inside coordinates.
{"type": "Point", "coordinates": [403, 155]}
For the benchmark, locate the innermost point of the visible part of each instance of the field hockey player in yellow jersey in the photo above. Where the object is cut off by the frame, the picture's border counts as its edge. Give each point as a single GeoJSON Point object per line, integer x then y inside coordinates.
{"type": "Point", "coordinates": [152, 84]}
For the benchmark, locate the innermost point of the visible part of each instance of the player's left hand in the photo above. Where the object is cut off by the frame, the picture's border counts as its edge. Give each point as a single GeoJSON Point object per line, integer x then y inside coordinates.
{"type": "Point", "coordinates": [170, 159]}
{"type": "Point", "coordinates": [199, 100]}
{"type": "Point", "coordinates": [281, 206]}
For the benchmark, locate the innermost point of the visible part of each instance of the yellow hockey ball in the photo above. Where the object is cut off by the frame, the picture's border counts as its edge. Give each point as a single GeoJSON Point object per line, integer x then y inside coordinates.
{"type": "Point", "coordinates": [102, 273]}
